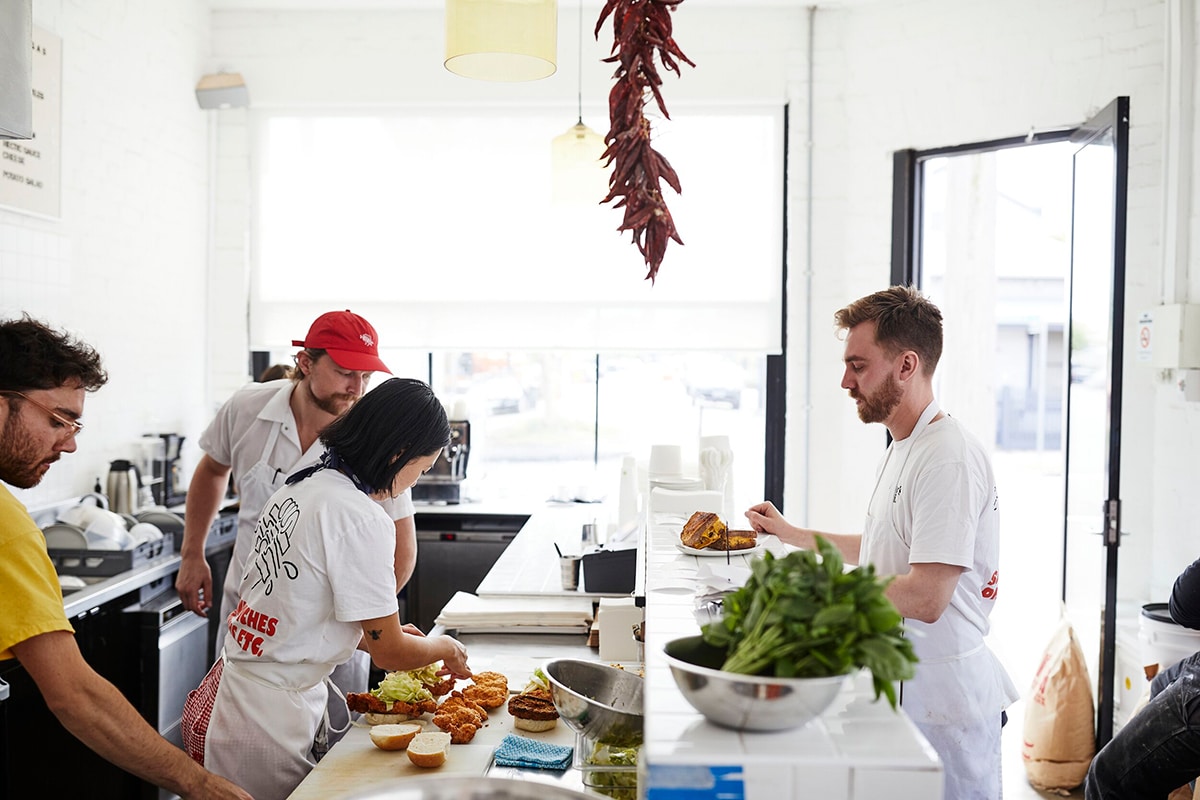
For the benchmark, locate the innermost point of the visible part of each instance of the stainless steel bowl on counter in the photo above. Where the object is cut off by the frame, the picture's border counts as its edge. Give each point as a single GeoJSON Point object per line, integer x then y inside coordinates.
{"type": "Point", "coordinates": [745, 702]}
{"type": "Point", "coordinates": [601, 702]}
{"type": "Point", "coordinates": [470, 788]}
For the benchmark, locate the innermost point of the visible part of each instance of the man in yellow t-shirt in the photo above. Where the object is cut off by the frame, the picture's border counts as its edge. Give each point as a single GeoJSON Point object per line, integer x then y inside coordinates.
{"type": "Point", "coordinates": [44, 377]}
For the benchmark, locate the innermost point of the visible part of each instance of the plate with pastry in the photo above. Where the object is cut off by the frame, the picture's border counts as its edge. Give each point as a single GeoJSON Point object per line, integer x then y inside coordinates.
{"type": "Point", "coordinates": [706, 534]}
{"type": "Point", "coordinates": [703, 552]}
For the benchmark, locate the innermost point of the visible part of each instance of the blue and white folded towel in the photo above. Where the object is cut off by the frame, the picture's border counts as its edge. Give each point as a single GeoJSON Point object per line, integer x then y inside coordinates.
{"type": "Point", "coordinates": [518, 751]}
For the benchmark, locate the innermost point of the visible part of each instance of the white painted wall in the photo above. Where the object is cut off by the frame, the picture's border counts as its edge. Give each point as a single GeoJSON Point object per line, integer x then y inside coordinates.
{"type": "Point", "coordinates": [125, 266]}
{"type": "Point", "coordinates": [140, 267]}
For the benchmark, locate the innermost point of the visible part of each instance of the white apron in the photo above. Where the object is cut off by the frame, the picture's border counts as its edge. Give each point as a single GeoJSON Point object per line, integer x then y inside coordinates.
{"type": "Point", "coordinates": [254, 490]}
{"type": "Point", "coordinates": [956, 698]}
{"type": "Point", "coordinates": [268, 725]}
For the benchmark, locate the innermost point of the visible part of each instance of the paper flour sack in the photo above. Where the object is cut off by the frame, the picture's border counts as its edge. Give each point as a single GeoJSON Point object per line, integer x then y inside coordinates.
{"type": "Point", "coordinates": [1059, 737]}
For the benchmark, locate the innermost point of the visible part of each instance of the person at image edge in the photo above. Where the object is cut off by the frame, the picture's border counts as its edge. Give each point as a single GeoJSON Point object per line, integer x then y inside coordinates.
{"type": "Point", "coordinates": [44, 377]}
{"type": "Point", "coordinates": [264, 433]}
{"type": "Point", "coordinates": [933, 522]}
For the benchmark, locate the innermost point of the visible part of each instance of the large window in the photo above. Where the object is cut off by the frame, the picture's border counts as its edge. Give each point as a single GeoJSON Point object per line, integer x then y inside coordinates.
{"type": "Point", "coordinates": [532, 317]}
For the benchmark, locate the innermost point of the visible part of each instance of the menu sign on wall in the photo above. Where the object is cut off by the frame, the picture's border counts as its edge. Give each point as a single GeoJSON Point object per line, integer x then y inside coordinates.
{"type": "Point", "coordinates": [30, 168]}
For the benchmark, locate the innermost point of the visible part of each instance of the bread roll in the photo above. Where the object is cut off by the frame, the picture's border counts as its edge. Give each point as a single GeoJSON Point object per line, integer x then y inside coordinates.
{"type": "Point", "coordinates": [534, 725]}
{"type": "Point", "coordinates": [374, 718]}
{"type": "Point", "coordinates": [429, 749]}
{"type": "Point", "coordinates": [394, 737]}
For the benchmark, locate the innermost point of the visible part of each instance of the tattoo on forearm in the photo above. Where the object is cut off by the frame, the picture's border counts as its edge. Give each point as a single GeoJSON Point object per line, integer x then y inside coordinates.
{"type": "Point", "coordinates": [375, 634]}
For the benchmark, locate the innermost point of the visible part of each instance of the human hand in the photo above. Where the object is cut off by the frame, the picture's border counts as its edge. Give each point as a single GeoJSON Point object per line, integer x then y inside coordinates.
{"type": "Point", "coordinates": [194, 584]}
{"type": "Point", "coordinates": [412, 630]}
{"type": "Point", "coordinates": [214, 787]}
{"type": "Point", "coordinates": [455, 662]}
{"type": "Point", "coordinates": [765, 518]}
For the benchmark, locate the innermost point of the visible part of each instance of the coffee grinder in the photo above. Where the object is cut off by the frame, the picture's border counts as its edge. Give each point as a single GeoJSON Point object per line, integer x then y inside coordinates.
{"type": "Point", "coordinates": [167, 484]}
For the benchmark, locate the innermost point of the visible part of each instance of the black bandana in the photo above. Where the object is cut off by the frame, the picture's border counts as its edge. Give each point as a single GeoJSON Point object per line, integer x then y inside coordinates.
{"type": "Point", "coordinates": [330, 460]}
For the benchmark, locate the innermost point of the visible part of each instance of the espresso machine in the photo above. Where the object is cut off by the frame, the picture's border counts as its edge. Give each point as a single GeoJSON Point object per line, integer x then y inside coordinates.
{"type": "Point", "coordinates": [443, 482]}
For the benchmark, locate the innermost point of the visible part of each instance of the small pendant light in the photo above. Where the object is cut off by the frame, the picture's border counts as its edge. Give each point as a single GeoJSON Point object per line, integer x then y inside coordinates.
{"type": "Point", "coordinates": [579, 175]}
{"type": "Point", "coordinates": [502, 40]}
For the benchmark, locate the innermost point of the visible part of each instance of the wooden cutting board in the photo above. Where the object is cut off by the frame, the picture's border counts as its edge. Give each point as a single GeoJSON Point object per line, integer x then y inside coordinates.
{"type": "Point", "coordinates": [355, 765]}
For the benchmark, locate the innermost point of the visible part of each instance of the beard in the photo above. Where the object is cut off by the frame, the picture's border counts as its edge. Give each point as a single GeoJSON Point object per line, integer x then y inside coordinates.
{"type": "Point", "coordinates": [335, 404]}
{"type": "Point", "coordinates": [20, 464]}
{"type": "Point", "coordinates": [879, 406]}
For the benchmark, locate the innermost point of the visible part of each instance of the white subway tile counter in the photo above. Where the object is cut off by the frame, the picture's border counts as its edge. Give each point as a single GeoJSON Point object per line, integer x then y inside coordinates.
{"type": "Point", "coordinates": [858, 749]}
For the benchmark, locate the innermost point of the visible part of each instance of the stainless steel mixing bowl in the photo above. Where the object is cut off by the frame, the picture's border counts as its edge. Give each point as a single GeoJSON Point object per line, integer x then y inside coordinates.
{"type": "Point", "coordinates": [470, 788]}
{"type": "Point", "coordinates": [745, 702]}
{"type": "Point", "coordinates": [601, 702]}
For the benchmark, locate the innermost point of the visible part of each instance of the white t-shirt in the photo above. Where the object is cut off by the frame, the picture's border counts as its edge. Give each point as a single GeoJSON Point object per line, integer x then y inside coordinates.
{"type": "Point", "coordinates": [240, 430]}
{"type": "Point", "coordinates": [241, 435]}
{"type": "Point", "coordinates": [322, 561]}
{"type": "Point", "coordinates": [936, 502]}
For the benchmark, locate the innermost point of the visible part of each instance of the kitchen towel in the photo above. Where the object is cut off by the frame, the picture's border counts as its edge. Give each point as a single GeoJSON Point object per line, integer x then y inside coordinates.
{"type": "Point", "coordinates": [518, 751]}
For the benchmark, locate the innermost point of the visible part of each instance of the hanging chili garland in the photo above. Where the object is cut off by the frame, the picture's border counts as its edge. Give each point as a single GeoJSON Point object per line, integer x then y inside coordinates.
{"type": "Point", "coordinates": [641, 28]}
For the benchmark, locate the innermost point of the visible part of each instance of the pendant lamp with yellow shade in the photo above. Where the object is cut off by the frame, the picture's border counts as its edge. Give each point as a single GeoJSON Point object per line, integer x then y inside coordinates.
{"type": "Point", "coordinates": [502, 40]}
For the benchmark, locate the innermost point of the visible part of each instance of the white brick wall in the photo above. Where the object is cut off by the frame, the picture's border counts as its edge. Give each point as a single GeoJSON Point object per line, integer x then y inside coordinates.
{"type": "Point", "coordinates": [932, 73]}
{"type": "Point", "coordinates": [125, 266]}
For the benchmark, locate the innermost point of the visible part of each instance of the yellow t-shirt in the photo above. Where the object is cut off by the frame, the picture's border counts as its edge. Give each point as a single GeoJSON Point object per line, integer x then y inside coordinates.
{"type": "Point", "coordinates": [31, 601]}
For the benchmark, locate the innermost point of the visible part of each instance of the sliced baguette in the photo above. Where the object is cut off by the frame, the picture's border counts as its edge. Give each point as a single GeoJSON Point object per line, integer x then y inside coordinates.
{"type": "Point", "coordinates": [429, 749]}
{"type": "Point", "coordinates": [394, 737]}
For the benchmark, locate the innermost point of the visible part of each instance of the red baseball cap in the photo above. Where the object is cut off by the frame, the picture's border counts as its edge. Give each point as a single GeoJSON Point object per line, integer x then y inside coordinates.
{"type": "Point", "coordinates": [349, 339]}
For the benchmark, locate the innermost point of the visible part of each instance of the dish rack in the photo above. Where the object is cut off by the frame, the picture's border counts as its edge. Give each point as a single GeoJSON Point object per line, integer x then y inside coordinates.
{"type": "Point", "coordinates": [618, 781]}
{"type": "Point", "coordinates": [106, 563]}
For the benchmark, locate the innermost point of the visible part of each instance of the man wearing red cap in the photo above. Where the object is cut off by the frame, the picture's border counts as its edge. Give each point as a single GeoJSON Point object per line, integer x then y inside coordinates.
{"type": "Point", "coordinates": [263, 434]}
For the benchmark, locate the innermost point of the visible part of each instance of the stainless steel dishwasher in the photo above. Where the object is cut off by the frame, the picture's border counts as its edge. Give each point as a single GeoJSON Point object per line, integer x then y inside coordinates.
{"type": "Point", "coordinates": [454, 553]}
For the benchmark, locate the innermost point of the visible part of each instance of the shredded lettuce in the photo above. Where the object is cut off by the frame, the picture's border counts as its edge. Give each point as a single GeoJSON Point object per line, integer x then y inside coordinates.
{"type": "Point", "coordinates": [613, 756]}
{"type": "Point", "coordinates": [537, 681]}
{"type": "Point", "coordinates": [407, 687]}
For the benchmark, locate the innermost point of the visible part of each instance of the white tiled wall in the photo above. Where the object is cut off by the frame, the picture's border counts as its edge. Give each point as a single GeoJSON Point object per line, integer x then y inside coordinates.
{"type": "Point", "coordinates": [125, 266]}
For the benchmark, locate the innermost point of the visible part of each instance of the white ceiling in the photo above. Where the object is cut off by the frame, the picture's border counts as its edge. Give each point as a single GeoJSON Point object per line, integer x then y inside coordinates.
{"type": "Point", "coordinates": [349, 5]}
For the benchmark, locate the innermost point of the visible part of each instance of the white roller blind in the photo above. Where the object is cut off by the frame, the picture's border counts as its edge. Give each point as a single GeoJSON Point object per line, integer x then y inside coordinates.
{"type": "Point", "coordinates": [438, 226]}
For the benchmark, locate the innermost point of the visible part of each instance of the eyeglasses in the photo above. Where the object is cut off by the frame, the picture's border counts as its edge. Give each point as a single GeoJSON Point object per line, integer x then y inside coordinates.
{"type": "Point", "coordinates": [74, 425]}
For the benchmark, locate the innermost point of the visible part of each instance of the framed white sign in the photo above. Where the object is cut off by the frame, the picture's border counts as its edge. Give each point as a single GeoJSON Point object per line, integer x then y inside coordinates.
{"type": "Point", "coordinates": [30, 169]}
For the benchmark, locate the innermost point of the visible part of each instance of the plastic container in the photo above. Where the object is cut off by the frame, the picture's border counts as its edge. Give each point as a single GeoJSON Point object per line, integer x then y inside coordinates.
{"type": "Point", "coordinates": [1164, 641]}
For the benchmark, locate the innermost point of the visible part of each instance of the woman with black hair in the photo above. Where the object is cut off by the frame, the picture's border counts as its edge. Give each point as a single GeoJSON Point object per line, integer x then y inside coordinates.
{"type": "Point", "coordinates": [319, 584]}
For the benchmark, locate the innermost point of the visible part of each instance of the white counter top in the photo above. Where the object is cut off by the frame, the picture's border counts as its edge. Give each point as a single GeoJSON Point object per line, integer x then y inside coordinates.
{"type": "Point", "coordinates": [858, 749]}
{"type": "Point", "coordinates": [529, 566]}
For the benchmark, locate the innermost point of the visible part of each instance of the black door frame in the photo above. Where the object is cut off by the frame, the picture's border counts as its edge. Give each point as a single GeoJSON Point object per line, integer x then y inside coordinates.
{"type": "Point", "coordinates": [907, 190]}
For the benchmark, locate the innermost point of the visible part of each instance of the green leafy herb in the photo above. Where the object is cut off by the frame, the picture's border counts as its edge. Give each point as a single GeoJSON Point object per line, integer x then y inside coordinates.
{"type": "Point", "coordinates": [805, 616]}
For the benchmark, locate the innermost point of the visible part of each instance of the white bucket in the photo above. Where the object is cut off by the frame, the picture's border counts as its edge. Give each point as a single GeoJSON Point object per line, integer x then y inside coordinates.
{"type": "Point", "coordinates": [1164, 641]}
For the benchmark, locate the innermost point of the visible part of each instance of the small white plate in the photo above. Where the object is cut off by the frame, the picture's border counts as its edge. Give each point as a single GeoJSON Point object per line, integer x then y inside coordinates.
{"type": "Point", "coordinates": [691, 551]}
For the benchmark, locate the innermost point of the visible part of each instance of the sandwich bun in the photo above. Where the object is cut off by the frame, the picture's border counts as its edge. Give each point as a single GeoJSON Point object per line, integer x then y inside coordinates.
{"type": "Point", "coordinates": [394, 737]}
{"type": "Point", "coordinates": [533, 710]}
{"type": "Point", "coordinates": [534, 725]}
{"type": "Point", "coordinates": [429, 749]}
{"type": "Point", "coordinates": [374, 718]}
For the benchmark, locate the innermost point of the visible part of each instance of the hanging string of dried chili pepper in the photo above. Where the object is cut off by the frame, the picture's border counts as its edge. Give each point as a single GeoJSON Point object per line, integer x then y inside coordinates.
{"type": "Point", "coordinates": [641, 28]}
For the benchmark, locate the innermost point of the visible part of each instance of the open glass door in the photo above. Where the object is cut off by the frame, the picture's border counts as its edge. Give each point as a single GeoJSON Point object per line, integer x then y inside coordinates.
{"type": "Point", "coordinates": [1021, 243]}
{"type": "Point", "coordinates": [1092, 525]}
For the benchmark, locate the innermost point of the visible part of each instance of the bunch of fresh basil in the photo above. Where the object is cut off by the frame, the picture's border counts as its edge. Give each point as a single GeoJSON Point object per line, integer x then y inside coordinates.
{"type": "Point", "coordinates": [804, 616]}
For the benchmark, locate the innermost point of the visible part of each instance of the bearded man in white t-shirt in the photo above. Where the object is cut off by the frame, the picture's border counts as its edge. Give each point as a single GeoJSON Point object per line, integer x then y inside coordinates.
{"type": "Point", "coordinates": [933, 523]}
